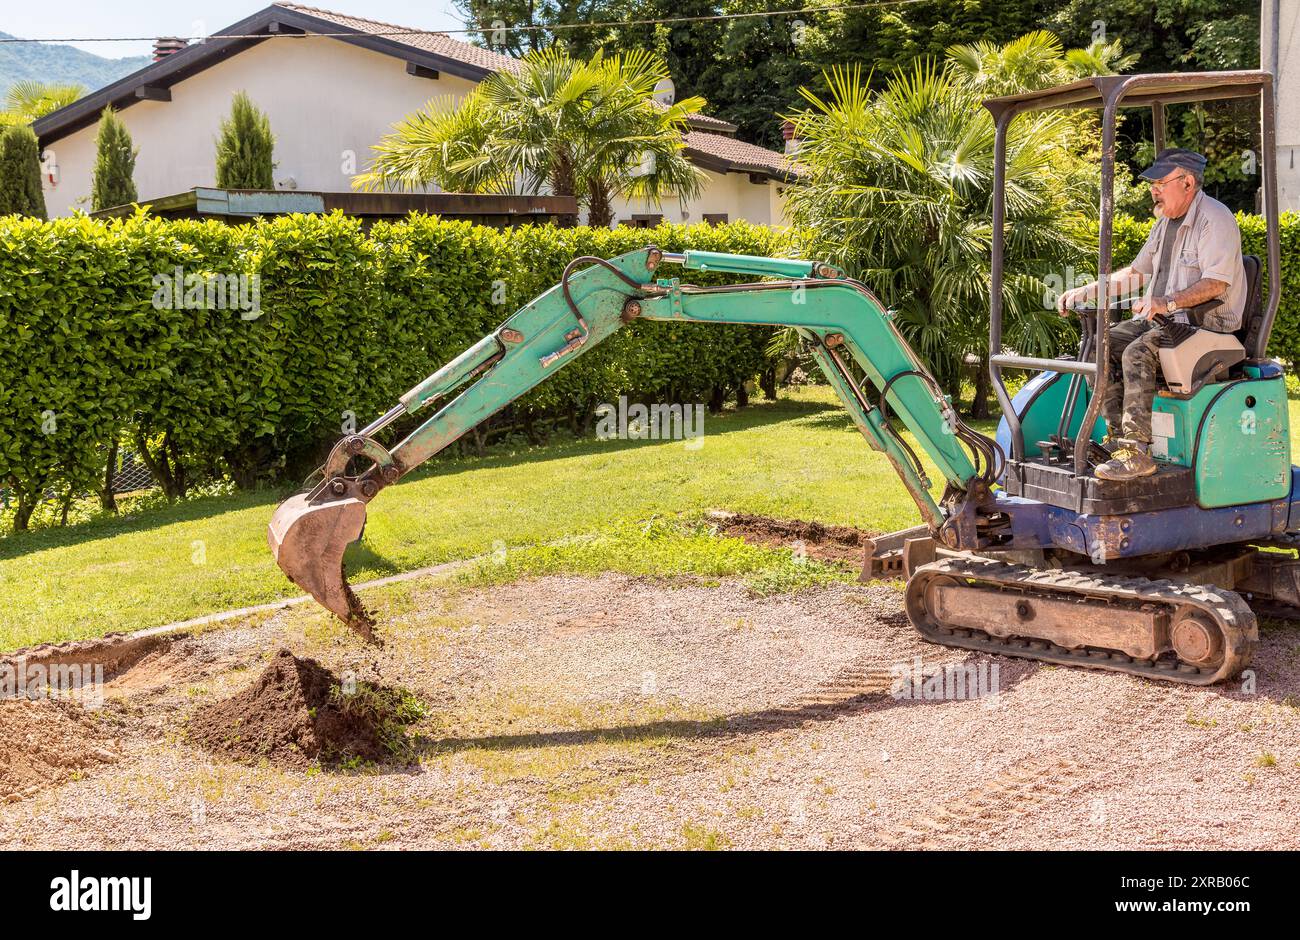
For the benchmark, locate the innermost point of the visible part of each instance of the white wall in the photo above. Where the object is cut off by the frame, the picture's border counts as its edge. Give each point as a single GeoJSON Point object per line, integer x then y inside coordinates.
{"type": "Point", "coordinates": [730, 193]}
{"type": "Point", "coordinates": [1287, 40]}
{"type": "Point", "coordinates": [328, 103]}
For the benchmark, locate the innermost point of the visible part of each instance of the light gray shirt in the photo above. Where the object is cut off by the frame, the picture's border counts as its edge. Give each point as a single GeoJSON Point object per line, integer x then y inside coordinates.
{"type": "Point", "coordinates": [1206, 244]}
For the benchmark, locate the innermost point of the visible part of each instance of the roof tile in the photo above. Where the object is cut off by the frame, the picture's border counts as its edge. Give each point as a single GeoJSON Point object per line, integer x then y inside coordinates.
{"type": "Point", "coordinates": [741, 156]}
{"type": "Point", "coordinates": [707, 122]}
{"type": "Point", "coordinates": [437, 43]}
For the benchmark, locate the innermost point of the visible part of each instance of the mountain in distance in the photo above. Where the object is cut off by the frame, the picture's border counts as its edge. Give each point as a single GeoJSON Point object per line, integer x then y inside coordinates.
{"type": "Point", "coordinates": [48, 62]}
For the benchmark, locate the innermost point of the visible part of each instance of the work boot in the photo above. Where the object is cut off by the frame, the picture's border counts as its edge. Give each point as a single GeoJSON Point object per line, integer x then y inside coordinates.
{"type": "Point", "coordinates": [1129, 461]}
{"type": "Point", "coordinates": [1099, 452]}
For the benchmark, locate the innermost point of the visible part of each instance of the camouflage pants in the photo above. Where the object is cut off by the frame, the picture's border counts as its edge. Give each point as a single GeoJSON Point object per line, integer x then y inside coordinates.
{"type": "Point", "coordinates": [1134, 371]}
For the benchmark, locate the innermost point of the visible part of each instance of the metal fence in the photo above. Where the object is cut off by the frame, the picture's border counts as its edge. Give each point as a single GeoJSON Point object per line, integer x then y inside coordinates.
{"type": "Point", "coordinates": [131, 473]}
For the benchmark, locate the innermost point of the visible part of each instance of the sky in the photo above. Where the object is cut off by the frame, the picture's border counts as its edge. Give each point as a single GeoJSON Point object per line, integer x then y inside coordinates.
{"type": "Point", "coordinates": [111, 18]}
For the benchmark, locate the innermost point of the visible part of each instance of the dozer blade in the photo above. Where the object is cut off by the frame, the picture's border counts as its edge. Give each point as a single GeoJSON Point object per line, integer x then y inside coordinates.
{"type": "Point", "coordinates": [308, 542]}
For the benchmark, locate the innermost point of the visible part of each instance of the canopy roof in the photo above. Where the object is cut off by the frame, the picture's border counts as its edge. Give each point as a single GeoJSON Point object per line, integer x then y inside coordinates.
{"type": "Point", "coordinates": [1138, 90]}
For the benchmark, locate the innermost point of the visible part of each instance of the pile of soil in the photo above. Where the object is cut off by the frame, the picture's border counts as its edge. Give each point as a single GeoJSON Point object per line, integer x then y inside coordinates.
{"type": "Point", "coordinates": [834, 543]}
{"type": "Point", "coordinates": [45, 742]}
{"type": "Point", "coordinates": [292, 715]}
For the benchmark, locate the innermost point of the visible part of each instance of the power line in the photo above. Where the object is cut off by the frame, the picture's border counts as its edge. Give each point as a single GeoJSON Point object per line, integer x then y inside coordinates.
{"type": "Point", "coordinates": [557, 27]}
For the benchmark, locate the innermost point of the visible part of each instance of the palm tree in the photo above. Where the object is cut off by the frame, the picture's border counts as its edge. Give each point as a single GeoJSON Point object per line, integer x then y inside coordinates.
{"type": "Point", "coordinates": [27, 101]}
{"type": "Point", "coordinates": [900, 188]}
{"type": "Point", "coordinates": [587, 129]}
{"type": "Point", "coordinates": [1099, 58]}
{"type": "Point", "coordinates": [1032, 61]}
{"type": "Point", "coordinates": [1035, 60]}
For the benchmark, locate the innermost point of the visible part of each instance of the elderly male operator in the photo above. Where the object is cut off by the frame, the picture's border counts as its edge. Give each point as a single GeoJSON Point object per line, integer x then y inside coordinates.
{"type": "Point", "coordinates": [1192, 255]}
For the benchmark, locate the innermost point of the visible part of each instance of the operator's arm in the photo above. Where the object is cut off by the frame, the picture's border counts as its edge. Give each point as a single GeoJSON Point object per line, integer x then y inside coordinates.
{"type": "Point", "coordinates": [1207, 288]}
{"type": "Point", "coordinates": [1121, 283]}
{"type": "Point", "coordinates": [1125, 281]}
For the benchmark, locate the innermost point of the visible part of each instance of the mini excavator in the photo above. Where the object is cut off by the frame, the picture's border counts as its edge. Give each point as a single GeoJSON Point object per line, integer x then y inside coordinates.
{"type": "Point", "coordinates": [1022, 551]}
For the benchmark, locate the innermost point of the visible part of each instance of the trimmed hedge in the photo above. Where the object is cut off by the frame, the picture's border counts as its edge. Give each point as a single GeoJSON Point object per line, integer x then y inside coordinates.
{"type": "Point", "coordinates": [348, 320]}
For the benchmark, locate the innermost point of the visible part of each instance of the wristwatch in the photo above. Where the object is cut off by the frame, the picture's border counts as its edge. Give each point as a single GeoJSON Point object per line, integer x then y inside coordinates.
{"type": "Point", "coordinates": [1171, 305]}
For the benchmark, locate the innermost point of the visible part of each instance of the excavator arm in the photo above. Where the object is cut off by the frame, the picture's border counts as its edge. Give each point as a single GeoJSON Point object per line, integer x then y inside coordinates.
{"type": "Point", "coordinates": [844, 322]}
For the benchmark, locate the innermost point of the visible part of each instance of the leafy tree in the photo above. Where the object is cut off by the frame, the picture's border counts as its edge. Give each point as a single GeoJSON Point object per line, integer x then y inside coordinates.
{"type": "Point", "coordinates": [20, 173]}
{"type": "Point", "coordinates": [481, 15]}
{"type": "Point", "coordinates": [1162, 33]}
{"type": "Point", "coordinates": [1183, 36]}
{"type": "Point", "coordinates": [245, 148]}
{"type": "Point", "coordinates": [757, 71]}
{"type": "Point", "coordinates": [26, 101]}
{"type": "Point", "coordinates": [688, 49]}
{"type": "Point", "coordinates": [112, 183]}
{"type": "Point", "coordinates": [750, 68]}
{"type": "Point", "coordinates": [587, 129]}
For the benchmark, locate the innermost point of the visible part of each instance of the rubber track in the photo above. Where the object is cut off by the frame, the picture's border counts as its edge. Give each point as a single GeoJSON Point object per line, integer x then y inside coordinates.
{"type": "Point", "coordinates": [1228, 609]}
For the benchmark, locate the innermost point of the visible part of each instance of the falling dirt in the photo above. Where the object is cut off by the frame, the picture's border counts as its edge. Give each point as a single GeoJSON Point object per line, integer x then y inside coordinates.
{"type": "Point", "coordinates": [833, 543]}
{"type": "Point", "coordinates": [46, 742]}
{"type": "Point", "coordinates": [360, 620]}
{"type": "Point", "coordinates": [294, 714]}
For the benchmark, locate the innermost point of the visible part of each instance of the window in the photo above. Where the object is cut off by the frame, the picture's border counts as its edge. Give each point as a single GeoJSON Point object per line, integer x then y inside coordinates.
{"type": "Point", "coordinates": [642, 221]}
{"type": "Point", "coordinates": [715, 218]}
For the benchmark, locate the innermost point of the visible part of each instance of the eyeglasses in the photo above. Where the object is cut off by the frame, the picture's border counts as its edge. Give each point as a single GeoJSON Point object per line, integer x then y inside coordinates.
{"type": "Point", "coordinates": [1161, 184]}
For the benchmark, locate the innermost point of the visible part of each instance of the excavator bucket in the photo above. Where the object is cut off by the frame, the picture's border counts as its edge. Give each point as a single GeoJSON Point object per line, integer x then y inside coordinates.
{"type": "Point", "coordinates": [308, 540]}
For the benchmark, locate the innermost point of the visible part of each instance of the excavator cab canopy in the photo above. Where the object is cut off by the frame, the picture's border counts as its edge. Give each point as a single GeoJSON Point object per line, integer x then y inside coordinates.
{"type": "Point", "coordinates": [1109, 94]}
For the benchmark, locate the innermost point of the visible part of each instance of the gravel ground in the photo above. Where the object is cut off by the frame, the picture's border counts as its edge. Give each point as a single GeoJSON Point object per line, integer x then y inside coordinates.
{"type": "Point", "coordinates": [631, 713]}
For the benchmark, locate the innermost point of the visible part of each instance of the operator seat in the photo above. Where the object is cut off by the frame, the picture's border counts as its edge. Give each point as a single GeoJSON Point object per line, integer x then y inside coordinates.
{"type": "Point", "coordinates": [1190, 357]}
{"type": "Point", "coordinates": [1252, 318]}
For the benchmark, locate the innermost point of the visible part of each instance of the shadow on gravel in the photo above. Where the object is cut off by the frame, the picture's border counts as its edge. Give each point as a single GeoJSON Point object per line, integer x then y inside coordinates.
{"type": "Point", "coordinates": [813, 708]}
{"type": "Point", "coordinates": [1274, 671]}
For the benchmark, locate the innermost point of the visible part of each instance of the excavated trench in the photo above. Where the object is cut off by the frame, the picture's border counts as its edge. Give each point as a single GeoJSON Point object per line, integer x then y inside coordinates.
{"type": "Point", "coordinates": [832, 543]}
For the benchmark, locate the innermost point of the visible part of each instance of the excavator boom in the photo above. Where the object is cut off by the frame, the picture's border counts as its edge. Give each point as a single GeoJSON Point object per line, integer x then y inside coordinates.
{"type": "Point", "coordinates": [594, 299]}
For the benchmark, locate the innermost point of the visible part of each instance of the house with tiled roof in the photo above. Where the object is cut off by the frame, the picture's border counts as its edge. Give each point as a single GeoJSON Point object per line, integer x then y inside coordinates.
{"type": "Point", "coordinates": [332, 85]}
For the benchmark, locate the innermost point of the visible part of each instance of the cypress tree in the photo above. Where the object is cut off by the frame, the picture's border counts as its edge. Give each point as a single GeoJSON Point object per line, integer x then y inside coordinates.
{"type": "Point", "coordinates": [114, 164]}
{"type": "Point", "coordinates": [20, 173]}
{"type": "Point", "coordinates": [245, 147]}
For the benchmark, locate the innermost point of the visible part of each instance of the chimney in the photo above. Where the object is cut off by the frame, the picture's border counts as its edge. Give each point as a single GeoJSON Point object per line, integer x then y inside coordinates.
{"type": "Point", "coordinates": [166, 45]}
{"type": "Point", "coordinates": [791, 141]}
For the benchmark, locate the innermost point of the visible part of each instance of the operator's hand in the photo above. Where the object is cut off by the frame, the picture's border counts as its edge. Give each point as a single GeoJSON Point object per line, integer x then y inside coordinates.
{"type": "Point", "coordinates": [1072, 298]}
{"type": "Point", "coordinates": [1148, 307]}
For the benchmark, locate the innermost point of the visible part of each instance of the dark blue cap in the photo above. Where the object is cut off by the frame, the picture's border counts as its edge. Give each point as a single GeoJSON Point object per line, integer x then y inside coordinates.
{"type": "Point", "coordinates": [1174, 158]}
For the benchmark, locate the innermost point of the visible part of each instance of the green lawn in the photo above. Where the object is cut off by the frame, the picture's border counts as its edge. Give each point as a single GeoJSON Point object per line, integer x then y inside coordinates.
{"type": "Point", "coordinates": [799, 457]}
